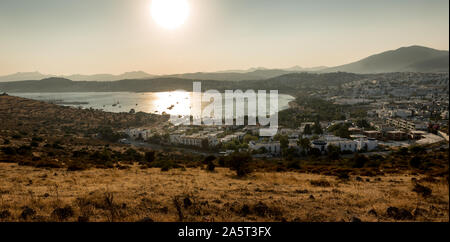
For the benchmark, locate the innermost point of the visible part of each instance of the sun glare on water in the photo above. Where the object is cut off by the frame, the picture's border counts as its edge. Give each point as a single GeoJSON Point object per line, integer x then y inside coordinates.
{"type": "Point", "coordinates": [170, 14]}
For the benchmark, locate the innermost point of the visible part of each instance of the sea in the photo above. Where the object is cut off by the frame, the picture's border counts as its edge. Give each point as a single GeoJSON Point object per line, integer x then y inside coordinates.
{"type": "Point", "coordinates": [174, 103]}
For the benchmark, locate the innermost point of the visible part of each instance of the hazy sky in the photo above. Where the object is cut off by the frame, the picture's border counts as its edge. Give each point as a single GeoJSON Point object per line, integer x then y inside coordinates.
{"type": "Point", "coordinates": [116, 36]}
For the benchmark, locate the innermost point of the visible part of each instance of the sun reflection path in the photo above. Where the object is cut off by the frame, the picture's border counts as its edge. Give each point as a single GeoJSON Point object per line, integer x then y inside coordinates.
{"type": "Point", "coordinates": [175, 103]}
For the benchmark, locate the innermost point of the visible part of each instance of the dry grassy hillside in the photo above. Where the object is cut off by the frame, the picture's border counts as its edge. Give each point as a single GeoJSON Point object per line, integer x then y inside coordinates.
{"type": "Point", "coordinates": [134, 194]}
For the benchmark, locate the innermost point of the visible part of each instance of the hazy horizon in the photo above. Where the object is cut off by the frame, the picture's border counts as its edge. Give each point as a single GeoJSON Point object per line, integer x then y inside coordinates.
{"type": "Point", "coordinates": [117, 36]}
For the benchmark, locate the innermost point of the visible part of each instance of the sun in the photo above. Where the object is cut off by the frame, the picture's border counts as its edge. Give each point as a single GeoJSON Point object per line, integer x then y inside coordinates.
{"type": "Point", "coordinates": [170, 14]}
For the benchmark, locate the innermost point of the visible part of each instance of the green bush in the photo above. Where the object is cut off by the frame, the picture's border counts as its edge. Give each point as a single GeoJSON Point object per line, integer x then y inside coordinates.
{"type": "Point", "coordinates": [415, 162]}
{"type": "Point", "coordinates": [359, 161]}
{"type": "Point", "coordinates": [294, 165]}
{"type": "Point", "coordinates": [210, 166]}
{"type": "Point", "coordinates": [8, 150]}
{"type": "Point", "coordinates": [149, 156]}
{"type": "Point", "coordinates": [240, 163]}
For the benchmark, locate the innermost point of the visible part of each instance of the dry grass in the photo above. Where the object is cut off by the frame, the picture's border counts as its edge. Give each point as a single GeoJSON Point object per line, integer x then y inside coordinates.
{"type": "Point", "coordinates": [136, 194]}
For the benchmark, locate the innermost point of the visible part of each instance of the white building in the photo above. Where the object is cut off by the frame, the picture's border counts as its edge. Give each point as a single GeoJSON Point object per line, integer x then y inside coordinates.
{"type": "Point", "coordinates": [272, 147]}
{"type": "Point", "coordinates": [190, 140]}
{"type": "Point", "coordinates": [195, 139]}
{"type": "Point", "coordinates": [402, 113]}
{"type": "Point", "coordinates": [344, 145]}
{"type": "Point", "coordinates": [319, 144]}
{"type": "Point", "coordinates": [368, 144]}
{"type": "Point", "coordinates": [143, 134]}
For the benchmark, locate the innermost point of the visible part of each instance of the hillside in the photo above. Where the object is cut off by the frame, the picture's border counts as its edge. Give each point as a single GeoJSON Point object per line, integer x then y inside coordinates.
{"type": "Point", "coordinates": [405, 59]}
{"type": "Point", "coordinates": [55, 167]}
{"type": "Point", "coordinates": [286, 83]}
{"type": "Point", "coordinates": [257, 74]}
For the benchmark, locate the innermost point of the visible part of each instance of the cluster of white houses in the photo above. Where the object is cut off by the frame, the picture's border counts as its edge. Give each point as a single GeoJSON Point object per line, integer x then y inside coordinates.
{"type": "Point", "coordinates": [139, 133]}
{"type": "Point", "coordinates": [214, 137]}
{"type": "Point", "coordinates": [269, 146]}
{"type": "Point", "coordinates": [359, 143]}
{"type": "Point", "coordinates": [197, 139]}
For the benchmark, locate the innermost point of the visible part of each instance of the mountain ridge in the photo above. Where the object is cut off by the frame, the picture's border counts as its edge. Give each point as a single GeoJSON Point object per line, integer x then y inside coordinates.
{"type": "Point", "coordinates": [405, 59]}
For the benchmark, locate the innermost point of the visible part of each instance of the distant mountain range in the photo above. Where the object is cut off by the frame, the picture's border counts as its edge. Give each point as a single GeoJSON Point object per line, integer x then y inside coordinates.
{"type": "Point", "coordinates": [288, 83]}
{"type": "Point", "coordinates": [21, 76]}
{"type": "Point", "coordinates": [405, 59]}
{"type": "Point", "coordinates": [230, 75]}
{"type": "Point", "coordinates": [258, 73]}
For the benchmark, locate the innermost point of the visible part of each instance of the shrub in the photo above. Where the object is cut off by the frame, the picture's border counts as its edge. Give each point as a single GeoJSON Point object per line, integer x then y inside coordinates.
{"type": "Point", "coordinates": [343, 174]}
{"type": "Point", "coordinates": [415, 161]}
{"type": "Point", "coordinates": [149, 156]}
{"type": "Point", "coordinates": [106, 133]}
{"type": "Point", "coordinates": [56, 145]}
{"type": "Point", "coordinates": [320, 183]}
{"type": "Point", "coordinates": [417, 149]}
{"type": "Point", "coordinates": [5, 214]}
{"type": "Point", "coordinates": [101, 157]}
{"type": "Point", "coordinates": [63, 213]}
{"type": "Point", "coordinates": [24, 150]}
{"type": "Point", "coordinates": [132, 155]}
{"type": "Point", "coordinates": [422, 190]}
{"type": "Point", "coordinates": [315, 152]}
{"type": "Point", "coordinates": [359, 161]}
{"type": "Point", "coordinates": [48, 164]}
{"type": "Point", "coordinates": [166, 167]}
{"type": "Point", "coordinates": [403, 151]}
{"type": "Point", "coordinates": [76, 166]}
{"type": "Point", "coordinates": [211, 166]}
{"type": "Point", "coordinates": [240, 163]}
{"type": "Point", "coordinates": [16, 136]}
{"type": "Point", "coordinates": [294, 165]}
{"type": "Point", "coordinates": [8, 150]}
{"type": "Point", "coordinates": [27, 212]}
{"type": "Point", "coordinates": [37, 139]}
{"type": "Point", "coordinates": [209, 159]}
{"type": "Point", "coordinates": [222, 162]}
{"type": "Point", "coordinates": [79, 153]}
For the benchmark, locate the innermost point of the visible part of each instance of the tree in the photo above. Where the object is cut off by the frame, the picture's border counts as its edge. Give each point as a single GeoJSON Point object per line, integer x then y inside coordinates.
{"type": "Point", "coordinates": [248, 138]}
{"type": "Point", "coordinates": [305, 144]}
{"type": "Point", "coordinates": [415, 161]}
{"type": "Point", "coordinates": [362, 123]}
{"type": "Point", "coordinates": [334, 153]}
{"type": "Point", "coordinates": [205, 144]}
{"type": "Point", "coordinates": [209, 161]}
{"type": "Point", "coordinates": [262, 150]}
{"type": "Point", "coordinates": [307, 130]}
{"type": "Point", "coordinates": [359, 161]}
{"type": "Point", "coordinates": [240, 163]}
{"type": "Point", "coordinates": [149, 156]}
{"type": "Point", "coordinates": [289, 153]}
{"type": "Point", "coordinates": [317, 128]}
{"type": "Point", "coordinates": [284, 141]}
{"type": "Point", "coordinates": [342, 132]}
{"type": "Point", "coordinates": [315, 152]}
